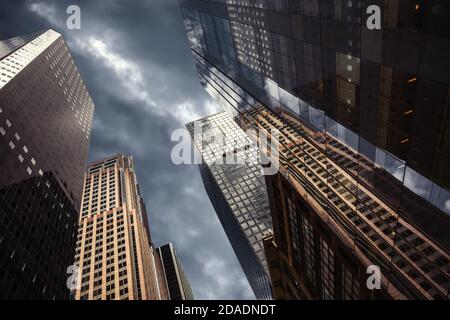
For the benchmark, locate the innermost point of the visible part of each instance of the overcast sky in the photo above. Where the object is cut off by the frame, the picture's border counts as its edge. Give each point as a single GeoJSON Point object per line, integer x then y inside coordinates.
{"type": "Point", "coordinates": [134, 59]}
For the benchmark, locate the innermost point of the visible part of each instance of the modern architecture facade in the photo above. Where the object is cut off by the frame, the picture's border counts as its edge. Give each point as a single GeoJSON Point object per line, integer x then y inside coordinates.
{"type": "Point", "coordinates": [177, 280]}
{"type": "Point", "coordinates": [364, 122]}
{"type": "Point", "coordinates": [45, 122]}
{"type": "Point", "coordinates": [114, 253]}
{"type": "Point", "coordinates": [237, 191]}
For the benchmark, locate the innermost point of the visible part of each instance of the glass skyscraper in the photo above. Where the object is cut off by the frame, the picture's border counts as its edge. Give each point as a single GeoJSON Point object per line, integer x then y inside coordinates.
{"type": "Point", "coordinates": [45, 122]}
{"type": "Point", "coordinates": [364, 120]}
{"type": "Point", "coordinates": [177, 282]}
{"type": "Point", "coordinates": [237, 191]}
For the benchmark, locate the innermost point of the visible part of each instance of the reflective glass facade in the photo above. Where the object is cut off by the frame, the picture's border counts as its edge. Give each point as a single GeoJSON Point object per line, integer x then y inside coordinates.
{"type": "Point", "coordinates": [238, 194]}
{"type": "Point", "coordinates": [177, 281]}
{"type": "Point", "coordinates": [45, 122]}
{"type": "Point", "coordinates": [365, 121]}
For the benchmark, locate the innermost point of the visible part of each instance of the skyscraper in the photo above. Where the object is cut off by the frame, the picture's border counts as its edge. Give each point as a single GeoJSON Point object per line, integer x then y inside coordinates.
{"type": "Point", "coordinates": [363, 114]}
{"type": "Point", "coordinates": [177, 281]}
{"type": "Point", "coordinates": [114, 252]}
{"type": "Point", "coordinates": [237, 192]}
{"type": "Point", "coordinates": [45, 122]}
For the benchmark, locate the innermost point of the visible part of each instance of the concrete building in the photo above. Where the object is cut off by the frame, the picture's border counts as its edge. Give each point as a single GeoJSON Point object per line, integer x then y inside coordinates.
{"type": "Point", "coordinates": [114, 252]}
{"type": "Point", "coordinates": [45, 123]}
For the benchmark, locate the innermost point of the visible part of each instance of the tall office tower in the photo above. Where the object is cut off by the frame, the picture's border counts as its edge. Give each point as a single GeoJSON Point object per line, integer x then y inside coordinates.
{"type": "Point", "coordinates": [237, 192]}
{"type": "Point", "coordinates": [45, 121]}
{"type": "Point", "coordinates": [364, 122]}
{"type": "Point", "coordinates": [177, 281]}
{"type": "Point", "coordinates": [114, 253]}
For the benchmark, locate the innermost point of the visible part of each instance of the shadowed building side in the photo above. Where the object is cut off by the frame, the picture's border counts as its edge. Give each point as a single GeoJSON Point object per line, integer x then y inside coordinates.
{"type": "Point", "coordinates": [45, 123]}
{"type": "Point", "coordinates": [177, 281]}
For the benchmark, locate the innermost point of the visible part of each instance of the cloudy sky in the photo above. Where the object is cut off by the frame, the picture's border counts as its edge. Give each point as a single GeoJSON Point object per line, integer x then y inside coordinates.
{"type": "Point", "coordinates": [134, 59]}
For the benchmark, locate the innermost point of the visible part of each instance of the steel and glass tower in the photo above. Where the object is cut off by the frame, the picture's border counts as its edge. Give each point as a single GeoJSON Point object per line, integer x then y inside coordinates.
{"type": "Point", "coordinates": [364, 123]}
{"type": "Point", "coordinates": [237, 191]}
{"type": "Point", "coordinates": [177, 281]}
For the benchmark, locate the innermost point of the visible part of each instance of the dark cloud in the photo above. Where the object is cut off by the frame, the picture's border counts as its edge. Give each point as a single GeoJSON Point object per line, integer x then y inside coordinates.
{"type": "Point", "coordinates": [134, 58]}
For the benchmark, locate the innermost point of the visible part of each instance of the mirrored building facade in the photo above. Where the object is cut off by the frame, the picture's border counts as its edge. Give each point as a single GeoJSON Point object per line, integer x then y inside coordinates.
{"type": "Point", "coordinates": [364, 117]}
{"type": "Point", "coordinates": [177, 281]}
{"type": "Point", "coordinates": [45, 121]}
{"type": "Point", "coordinates": [237, 191]}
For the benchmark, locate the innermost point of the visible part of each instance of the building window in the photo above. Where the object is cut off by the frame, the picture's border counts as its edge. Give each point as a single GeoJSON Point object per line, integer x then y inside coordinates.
{"type": "Point", "coordinates": [350, 285]}
{"type": "Point", "coordinates": [294, 230]}
{"type": "Point", "coordinates": [308, 232]}
{"type": "Point", "coordinates": [327, 270]}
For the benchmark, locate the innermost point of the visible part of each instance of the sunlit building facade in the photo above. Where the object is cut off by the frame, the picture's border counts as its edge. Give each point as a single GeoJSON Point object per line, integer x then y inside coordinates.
{"type": "Point", "coordinates": [237, 191]}
{"type": "Point", "coordinates": [45, 122]}
{"type": "Point", "coordinates": [364, 146]}
{"type": "Point", "coordinates": [114, 252]}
